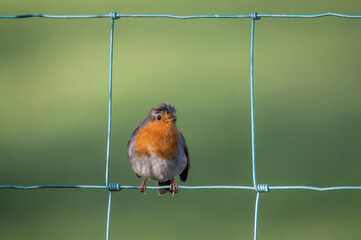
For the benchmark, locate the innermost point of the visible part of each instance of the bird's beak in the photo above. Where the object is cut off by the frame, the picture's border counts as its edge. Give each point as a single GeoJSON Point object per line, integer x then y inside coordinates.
{"type": "Point", "coordinates": [172, 119]}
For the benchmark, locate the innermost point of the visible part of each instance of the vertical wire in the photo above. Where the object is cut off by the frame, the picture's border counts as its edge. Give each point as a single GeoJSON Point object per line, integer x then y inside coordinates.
{"type": "Point", "coordinates": [110, 100]}
{"type": "Point", "coordinates": [252, 108]}
{"type": "Point", "coordinates": [108, 216]}
{"type": "Point", "coordinates": [256, 217]}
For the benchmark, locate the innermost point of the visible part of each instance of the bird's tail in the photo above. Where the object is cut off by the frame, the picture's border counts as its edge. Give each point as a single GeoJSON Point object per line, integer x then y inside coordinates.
{"type": "Point", "coordinates": [163, 190]}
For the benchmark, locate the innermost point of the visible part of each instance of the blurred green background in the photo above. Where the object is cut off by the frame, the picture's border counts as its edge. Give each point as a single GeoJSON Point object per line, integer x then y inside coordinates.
{"type": "Point", "coordinates": [53, 121]}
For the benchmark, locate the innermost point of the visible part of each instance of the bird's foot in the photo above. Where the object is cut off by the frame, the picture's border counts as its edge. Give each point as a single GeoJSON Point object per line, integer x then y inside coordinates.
{"type": "Point", "coordinates": [143, 187]}
{"type": "Point", "coordinates": [173, 188]}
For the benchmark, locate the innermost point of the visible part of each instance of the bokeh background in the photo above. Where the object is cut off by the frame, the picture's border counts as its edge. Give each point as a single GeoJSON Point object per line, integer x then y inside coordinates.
{"type": "Point", "coordinates": [53, 119]}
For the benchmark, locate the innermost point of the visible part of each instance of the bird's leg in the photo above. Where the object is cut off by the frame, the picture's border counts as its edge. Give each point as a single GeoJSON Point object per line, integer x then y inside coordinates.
{"type": "Point", "coordinates": [173, 187]}
{"type": "Point", "coordinates": [143, 187]}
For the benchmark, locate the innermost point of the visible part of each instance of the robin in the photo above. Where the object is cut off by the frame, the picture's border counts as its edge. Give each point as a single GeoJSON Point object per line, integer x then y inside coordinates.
{"type": "Point", "coordinates": [157, 150]}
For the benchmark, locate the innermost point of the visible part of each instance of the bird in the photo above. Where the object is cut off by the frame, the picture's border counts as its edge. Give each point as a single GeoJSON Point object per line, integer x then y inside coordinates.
{"type": "Point", "coordinates": [157, 150]}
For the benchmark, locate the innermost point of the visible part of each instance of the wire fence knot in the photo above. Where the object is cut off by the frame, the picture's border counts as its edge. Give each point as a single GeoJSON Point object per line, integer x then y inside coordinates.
{"type": "Point", "coordinates": [262, 188]}
{"type": "Point", "coordinates": [254, 16]}
{"type": "Point", "coordinates": [114, 15]}
{"type": "Point", "coordinates": [114, 187]}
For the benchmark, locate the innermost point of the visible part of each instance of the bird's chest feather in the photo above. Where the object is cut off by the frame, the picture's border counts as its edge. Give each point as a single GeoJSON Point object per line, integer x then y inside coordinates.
{"type": "Point", "coordinates": [158, 138]}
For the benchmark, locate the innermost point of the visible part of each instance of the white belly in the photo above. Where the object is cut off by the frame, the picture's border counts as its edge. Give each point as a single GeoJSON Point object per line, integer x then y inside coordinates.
{"type": "Point", "coordinates": [156, 168]}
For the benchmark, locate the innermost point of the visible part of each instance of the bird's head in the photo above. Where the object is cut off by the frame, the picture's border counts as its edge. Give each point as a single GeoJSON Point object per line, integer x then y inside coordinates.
{"type": "Point", "coordinates": [163, 113]}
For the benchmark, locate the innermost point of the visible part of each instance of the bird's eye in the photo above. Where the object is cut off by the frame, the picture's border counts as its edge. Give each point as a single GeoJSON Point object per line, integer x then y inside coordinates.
{"type": "Point", "coordinates": [159, 117]}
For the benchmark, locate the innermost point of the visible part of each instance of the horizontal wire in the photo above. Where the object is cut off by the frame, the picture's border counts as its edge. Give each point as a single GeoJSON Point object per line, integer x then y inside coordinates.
{"type": "Point", "coordinates": [328, 14]}
{"type": "Point", "coordinates": [52, 186]}
{"type": "Point", "coordinates": [183, 17]}
{"type": "Point", "coordinates": [192, 187]}
{"type": "Point", "coordinates": [315, 188]}
{"type": "Point", "coordinates": [186, 187]}
{"type": "Point", "coordinates": [55, 16]}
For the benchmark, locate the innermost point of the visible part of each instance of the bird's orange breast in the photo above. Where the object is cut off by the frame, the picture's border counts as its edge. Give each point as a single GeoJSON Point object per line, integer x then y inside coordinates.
{"type": "Point", "coordinates": [159, 138]}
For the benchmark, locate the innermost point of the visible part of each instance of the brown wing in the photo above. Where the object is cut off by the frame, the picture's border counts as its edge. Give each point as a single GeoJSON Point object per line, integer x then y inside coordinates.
{"type": "Point", "coordinates": [183, 176]}
{"type": "Point", "coordinates": [133, 135]}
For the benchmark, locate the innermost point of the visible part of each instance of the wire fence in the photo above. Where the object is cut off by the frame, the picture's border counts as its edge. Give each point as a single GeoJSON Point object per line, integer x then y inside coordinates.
{"type": "Point", "coordinates": [259, 188]}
